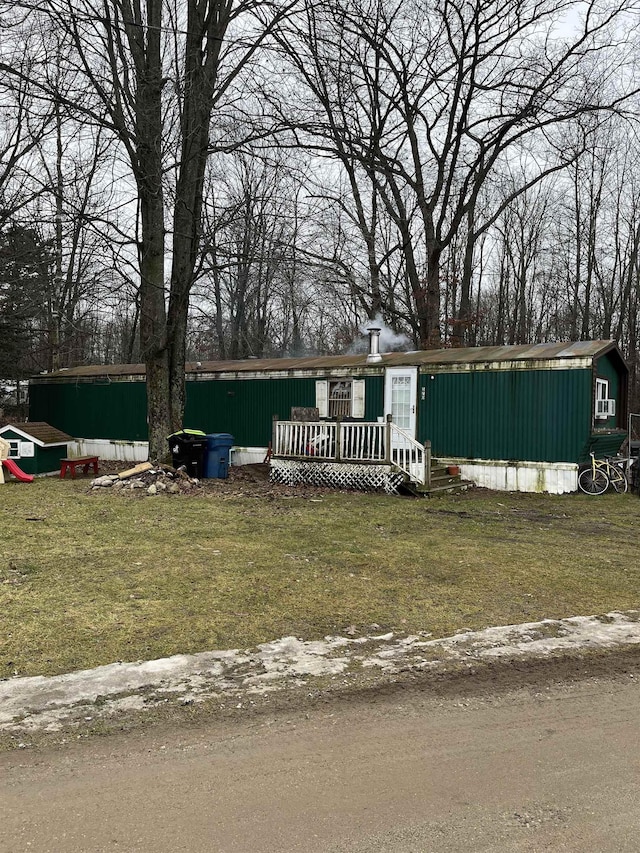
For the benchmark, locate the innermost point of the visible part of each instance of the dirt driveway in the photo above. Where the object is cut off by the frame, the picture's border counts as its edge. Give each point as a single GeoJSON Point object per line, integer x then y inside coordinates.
{"type": "Point", "coordinates": [518, 757]}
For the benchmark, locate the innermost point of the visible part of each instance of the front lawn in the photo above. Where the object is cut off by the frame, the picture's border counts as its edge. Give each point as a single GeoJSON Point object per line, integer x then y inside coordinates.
{"type": "Point", "coordinates": [88, 578]}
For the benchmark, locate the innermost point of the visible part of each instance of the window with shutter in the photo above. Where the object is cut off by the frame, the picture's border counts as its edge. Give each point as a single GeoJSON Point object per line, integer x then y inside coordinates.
{"type": "Point", "coordinates": [340, 398]}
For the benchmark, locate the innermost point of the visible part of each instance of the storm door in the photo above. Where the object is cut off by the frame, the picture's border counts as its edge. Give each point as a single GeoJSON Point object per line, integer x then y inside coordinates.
{"type": "Point", "coordinates": [400, 396]}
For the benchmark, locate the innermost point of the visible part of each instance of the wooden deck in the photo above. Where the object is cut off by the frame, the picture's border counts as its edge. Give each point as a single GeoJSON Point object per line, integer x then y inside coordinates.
{"type": "Point", "coordinates": [369, 456]}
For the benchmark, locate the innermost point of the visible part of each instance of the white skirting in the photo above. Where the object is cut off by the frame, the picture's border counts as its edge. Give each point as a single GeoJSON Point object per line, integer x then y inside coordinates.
{"type": "Point", "coordinates": [556, 478]}
{"type": "Point", "coordinates": [248, 455]}
{"type": "Point", "coordinates": [138, 451]}
{"type": "Point", "coordinates": [117, 451]}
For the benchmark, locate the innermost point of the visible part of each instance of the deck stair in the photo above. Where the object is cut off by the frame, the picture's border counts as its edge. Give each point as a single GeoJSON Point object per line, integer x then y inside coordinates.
{"type": "Point", "coordinates": [442, 482]}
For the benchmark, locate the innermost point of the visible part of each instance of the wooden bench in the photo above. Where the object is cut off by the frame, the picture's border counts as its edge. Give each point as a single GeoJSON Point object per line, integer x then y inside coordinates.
{"type": "Point", "coordinates": [79, 461]}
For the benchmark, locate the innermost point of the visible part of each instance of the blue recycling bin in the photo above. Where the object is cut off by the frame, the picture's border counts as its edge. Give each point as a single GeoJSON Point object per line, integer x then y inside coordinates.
{"type": "Point", "coordinates": [216, 458]}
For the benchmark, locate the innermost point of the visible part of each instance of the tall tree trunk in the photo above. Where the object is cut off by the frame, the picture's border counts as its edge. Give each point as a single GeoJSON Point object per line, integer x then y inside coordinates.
{"type": "Point", "coordinates": [153, 326]}
{"type": "Point", "coordinates": [463, 317]}
{"type": "Point", "coordinates": [149, 175]}
{"type": "Point", "coordinates": [206, 25]}
{"type": "Point", "coordinates": [429, 307]}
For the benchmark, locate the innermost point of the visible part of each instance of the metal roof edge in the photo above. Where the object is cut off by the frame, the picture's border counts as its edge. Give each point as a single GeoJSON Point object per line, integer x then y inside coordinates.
{"type": "Point", "coordinates": [499, 366]}
{"type": "Point", "coordinates": [564, 353]}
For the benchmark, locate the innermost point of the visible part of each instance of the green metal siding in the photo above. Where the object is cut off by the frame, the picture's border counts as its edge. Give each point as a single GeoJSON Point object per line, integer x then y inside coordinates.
{"type": "Point", "coordinates": [373, 398]}
{"type": "Point", "coordinates": [242, 407]}
{"type": "Point", "coordinates": [532, 415]}
{"type": "Point", "coordinates": [110, 410]}
{"type": "Point", "coordinates": [245, 407]}
{"type": "Point", "coordinates": [602, 444]}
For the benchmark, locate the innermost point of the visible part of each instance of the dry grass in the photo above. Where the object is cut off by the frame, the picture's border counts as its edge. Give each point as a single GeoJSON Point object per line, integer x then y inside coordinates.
{"type": "Point", "coordinates": [90, 578]}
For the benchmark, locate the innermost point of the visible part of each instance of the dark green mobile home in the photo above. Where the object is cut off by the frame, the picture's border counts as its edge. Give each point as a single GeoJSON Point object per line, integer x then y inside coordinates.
{"type": "Point", "coordinates": [511, 416]}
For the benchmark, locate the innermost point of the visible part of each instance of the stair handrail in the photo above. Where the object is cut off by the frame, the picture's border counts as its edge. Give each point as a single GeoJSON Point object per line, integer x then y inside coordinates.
{"type": "Point", "coordinates": [418, 469]}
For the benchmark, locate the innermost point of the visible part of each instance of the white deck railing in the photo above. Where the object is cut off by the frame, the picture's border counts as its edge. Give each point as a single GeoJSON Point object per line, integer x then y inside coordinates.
{"type": "Point", "coordinates": [304, 439]}
{"type": "Point", "coordinates": [362, 442]}
{"type": "Point", "coordinates": [359, 442]}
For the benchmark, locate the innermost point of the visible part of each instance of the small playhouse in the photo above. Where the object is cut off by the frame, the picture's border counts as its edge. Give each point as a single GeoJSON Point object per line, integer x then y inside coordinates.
{"type": "Point", "coordinates": [36, 447]}
{"type": "Point", "coordinates": [508, 417]}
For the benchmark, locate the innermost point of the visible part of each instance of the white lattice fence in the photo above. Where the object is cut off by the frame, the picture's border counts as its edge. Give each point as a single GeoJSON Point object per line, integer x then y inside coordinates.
{"type": "Point", "coordinates": [336, 475]}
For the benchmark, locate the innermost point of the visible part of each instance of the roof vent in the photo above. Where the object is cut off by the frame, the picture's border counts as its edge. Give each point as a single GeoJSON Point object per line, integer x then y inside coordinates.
{"type": "Point", "coordinates": [374, 346]}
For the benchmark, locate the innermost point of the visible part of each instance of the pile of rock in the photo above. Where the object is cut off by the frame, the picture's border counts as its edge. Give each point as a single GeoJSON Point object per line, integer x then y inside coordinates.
{"type": "Point", "coordinates": [153, 479]}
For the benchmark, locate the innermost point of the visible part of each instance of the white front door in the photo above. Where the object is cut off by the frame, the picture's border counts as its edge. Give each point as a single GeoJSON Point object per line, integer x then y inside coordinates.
{"type": "Point", "coordinates": [400, 397]}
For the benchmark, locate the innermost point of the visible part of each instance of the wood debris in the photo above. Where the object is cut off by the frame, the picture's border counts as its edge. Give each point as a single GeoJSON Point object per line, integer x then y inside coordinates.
{"type": "Point", "coordinates": [138, 469]}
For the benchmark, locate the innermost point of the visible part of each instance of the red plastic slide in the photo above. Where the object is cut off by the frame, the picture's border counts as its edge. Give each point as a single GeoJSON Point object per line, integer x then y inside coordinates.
{"type": "Point", "coordinates": [18, 473]}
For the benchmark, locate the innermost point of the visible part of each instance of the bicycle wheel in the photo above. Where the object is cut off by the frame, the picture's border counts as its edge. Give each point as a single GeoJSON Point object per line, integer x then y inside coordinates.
{"type": "Point", "coordinates": [593, 482]}
{"type": "Point", "coordinates": [618, 479]}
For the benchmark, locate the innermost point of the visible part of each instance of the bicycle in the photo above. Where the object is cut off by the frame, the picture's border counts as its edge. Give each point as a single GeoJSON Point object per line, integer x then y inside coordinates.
{"type": "Point", "coordinates": [601, 474]}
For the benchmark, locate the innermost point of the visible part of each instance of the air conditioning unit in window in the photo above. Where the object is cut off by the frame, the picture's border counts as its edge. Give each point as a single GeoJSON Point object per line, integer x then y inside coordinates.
{"type": "Point", "coordinates": [605, 409]}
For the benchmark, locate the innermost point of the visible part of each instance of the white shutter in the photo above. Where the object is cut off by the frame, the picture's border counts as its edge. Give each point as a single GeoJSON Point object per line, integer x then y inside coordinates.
{"type": "Point", "coordinates": [357, 398]}
{"type": "Point", "coordinates": [322, 398]}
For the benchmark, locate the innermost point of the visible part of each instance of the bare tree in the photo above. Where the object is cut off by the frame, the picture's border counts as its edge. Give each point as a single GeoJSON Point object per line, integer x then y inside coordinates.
{"type": "Point", "coordinates": [258, 289]}
{"type": "Point", "coordinates": [25, 117]}
{"type": "Point", "coordinates": [153, 74]}
{"type": "Point", "coordinates": [430, 100]}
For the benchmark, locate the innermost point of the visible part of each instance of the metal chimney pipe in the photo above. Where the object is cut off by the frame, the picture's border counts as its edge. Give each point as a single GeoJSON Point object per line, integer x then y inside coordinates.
{"type": "Point", "coordinates": [374, 346]}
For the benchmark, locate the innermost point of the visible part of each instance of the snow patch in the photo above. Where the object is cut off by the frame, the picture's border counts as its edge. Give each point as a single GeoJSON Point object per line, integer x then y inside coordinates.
{"type": "Point", "coordinates": [51, 702]}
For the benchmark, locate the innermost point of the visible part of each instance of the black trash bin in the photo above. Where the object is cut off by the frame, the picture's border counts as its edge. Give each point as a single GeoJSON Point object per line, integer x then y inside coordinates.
{"type": "Point", "coordinates": [217, 455]}
{"type": "Point", "coordinates": [188, 448]}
